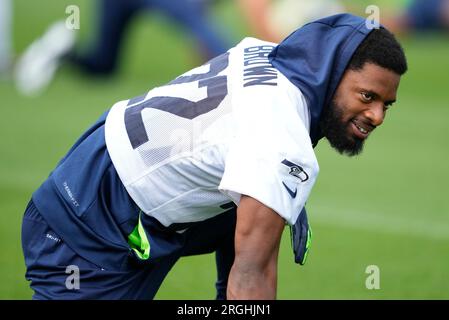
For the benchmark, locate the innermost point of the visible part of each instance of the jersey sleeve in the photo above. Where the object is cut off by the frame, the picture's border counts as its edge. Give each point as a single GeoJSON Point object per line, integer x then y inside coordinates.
{"type": "Point", "coordinates": [271, 158]}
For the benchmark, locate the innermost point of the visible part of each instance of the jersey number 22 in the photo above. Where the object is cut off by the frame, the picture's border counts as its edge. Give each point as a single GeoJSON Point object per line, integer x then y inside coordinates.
{"type": "Point", "coordinates": [216, 91]}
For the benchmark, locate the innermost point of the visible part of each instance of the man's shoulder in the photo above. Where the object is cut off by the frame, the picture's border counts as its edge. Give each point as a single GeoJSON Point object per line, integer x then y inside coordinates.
{"type": "Point", "coordinates": [278, 102]}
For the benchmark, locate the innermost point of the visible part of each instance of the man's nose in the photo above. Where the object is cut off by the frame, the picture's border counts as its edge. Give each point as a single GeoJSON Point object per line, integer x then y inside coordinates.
{"type": "Point", "coordinates": [376, 114]}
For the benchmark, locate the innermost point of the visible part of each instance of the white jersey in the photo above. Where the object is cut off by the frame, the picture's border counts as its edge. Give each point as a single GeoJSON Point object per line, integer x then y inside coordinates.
{"type": "Point", "coordinates": [234, 126]}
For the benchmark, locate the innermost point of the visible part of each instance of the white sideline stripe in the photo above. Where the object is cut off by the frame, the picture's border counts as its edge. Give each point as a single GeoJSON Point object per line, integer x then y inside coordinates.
{"type": "Point", "coordinates": [369, 221]}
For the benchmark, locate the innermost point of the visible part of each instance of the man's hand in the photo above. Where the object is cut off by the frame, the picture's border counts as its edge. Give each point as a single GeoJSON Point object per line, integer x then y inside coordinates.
{"type": "Point", "coordinates": [301, 233]}
{"type": "Point", "coordinates": [257, 237]}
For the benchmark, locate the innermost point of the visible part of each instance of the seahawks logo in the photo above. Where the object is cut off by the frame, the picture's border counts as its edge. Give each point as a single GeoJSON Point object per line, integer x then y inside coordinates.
{"type": "Point", "coordinates": [296, 170]}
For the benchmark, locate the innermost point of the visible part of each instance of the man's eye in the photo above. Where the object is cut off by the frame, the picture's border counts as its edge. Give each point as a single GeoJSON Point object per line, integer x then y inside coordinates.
{"type": "Point", "coordinates": [367, 96]}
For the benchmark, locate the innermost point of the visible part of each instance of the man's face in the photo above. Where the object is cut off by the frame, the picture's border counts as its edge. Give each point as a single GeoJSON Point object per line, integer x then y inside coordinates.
{"type": "Point", "coordinates": [358, 107]}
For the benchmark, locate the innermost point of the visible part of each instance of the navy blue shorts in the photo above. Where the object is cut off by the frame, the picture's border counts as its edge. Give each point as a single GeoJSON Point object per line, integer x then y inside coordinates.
{"type": "Point", "coordinates": [50, 263]}
{"type": "Point", "coordinates": [51, 269]}
{"type": "Point", "coordinates": [76, 229]}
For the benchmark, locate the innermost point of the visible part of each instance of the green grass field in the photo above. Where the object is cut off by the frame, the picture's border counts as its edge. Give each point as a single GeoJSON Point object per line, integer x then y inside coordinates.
{"type": "Point", "coordinates": [388, 207]}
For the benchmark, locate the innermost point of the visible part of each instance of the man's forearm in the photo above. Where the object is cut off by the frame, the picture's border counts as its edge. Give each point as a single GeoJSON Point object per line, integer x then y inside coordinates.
{"type": "Point", "coordinates": [249, 282]}
{"type": "Point", "coordinates": [257, 238]}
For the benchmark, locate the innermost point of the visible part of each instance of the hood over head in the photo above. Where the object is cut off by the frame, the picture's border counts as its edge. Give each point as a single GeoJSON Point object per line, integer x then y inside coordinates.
{"type": "Point", "coordinates": [314, 58]}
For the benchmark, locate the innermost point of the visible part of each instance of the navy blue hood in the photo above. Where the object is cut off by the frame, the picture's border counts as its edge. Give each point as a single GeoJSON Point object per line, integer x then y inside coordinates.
{"type": "Point", "coordinates": [314, 58]}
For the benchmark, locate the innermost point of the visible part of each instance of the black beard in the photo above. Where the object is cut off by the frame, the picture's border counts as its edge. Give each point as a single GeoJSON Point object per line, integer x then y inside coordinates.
{"type": "Point", "coordinates": [336, 131]}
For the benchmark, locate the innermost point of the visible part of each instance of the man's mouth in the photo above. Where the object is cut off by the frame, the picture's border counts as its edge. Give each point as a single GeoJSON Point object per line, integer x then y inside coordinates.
{"type": "Point", "coordinates": [361, 129]}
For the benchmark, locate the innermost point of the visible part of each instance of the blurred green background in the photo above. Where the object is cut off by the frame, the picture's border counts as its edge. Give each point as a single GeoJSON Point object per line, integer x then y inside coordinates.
{"type": "Point", "coordinates": [388, 207]}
